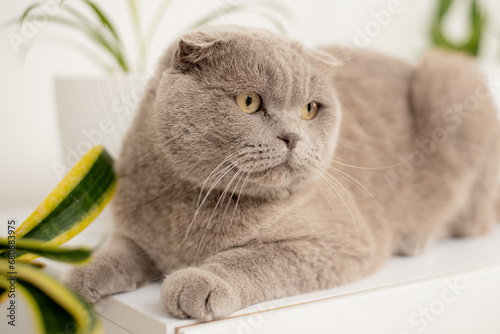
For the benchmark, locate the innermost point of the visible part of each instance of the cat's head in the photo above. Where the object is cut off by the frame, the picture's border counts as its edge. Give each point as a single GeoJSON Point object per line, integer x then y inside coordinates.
{"type": "Point", "coordinates": [241, 107]}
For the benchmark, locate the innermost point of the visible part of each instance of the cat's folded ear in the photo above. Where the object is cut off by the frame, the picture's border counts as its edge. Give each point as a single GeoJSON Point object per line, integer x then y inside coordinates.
{"type": "Point", "coordinates": [194, 47]}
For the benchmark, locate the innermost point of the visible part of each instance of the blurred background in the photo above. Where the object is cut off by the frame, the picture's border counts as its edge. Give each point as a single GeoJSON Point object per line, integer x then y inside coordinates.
{"type": "Point", "coordinates": [72, 76]}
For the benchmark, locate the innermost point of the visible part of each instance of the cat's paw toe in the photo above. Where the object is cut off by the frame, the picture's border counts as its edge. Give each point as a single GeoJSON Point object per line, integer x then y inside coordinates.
{"type": "Point", "coordinates": [199, 294]}
{"type": "Point", "coordinates": [82, 282]}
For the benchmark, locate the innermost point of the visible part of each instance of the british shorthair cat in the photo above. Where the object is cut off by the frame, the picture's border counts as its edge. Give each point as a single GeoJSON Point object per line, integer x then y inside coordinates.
{"type": "Point", "coordinates": [258, 168]}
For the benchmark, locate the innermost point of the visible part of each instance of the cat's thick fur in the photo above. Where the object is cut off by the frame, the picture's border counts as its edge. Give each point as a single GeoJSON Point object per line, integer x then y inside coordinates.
{"type": "Point", "coordinates": [397, 157]}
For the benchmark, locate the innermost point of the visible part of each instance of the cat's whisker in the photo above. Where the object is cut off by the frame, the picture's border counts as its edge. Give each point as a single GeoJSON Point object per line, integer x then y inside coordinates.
{"type": "Point", "coordinates": [158, 147]}
{"type": "Point", "coordinates": [214, 184]}
{"type": "Point", "coordinates": [327, 199]}
{"type": "Point", "coordinates": [339, 196]}
{"type": "Point", "coordinates": [161, 166]}
{"type": "Point", "coordinates": [176, 181]}
{"type": "Point", "coordinates": [241, 191]}
{"type": "Point", "coordinates": [352, 56]}
{"type": "Point", "coordinates": [342, 199]}
{"type": "Point", "coordinates": [370, 168]}
{"type": "Point", "coordinates": [351, 147]}
{"type": "Point", "coordinates": [341, 61]}
{"type": "Point", "coordinates": [343, 189]}
{"type": "Point", "coordinates": [346, 106]}
{"type": "Point", "coordinates": [224, 193]}
{"type": "Point", "coordinates": [354, 182]}
{"type": "Point", "coordinates": [240, 171]}
{"type": "Point", "coordinates": [179, 178]}
{"type": "Point", "coordinates": [207, 225]}
{"type": "Point", "coordinates": [212, 173]}
{"type": "Point", "coordinates": [200, 205]}
{"type": "Point", "coordinates": [164, 164]}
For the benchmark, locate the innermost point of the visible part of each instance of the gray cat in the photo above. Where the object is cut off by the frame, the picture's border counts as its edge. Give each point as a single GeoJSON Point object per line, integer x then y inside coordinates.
{"type": "Point", "coordinates": [257, 168]}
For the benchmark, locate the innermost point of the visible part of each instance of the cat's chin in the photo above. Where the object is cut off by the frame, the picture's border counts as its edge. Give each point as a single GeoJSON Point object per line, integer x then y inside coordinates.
{"type": "Point", "coordinates": [277, 176]}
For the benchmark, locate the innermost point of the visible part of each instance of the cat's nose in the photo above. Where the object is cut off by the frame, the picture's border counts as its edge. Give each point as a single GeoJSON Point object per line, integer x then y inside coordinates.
{"type": "Point", "coordinates": [290, 139]}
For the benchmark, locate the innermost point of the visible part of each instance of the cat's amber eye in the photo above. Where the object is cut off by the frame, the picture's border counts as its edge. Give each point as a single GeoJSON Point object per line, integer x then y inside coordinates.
{"type": "Point", "coordinates": [248, 102]}
{"type": "Point", "coordinates": [309, 111]}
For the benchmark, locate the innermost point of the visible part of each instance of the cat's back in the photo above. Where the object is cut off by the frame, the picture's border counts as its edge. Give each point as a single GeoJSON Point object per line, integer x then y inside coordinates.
{"type": "Point", "coordinates": [370, 79]}
{"type": "Point", "coordinates": [373, 90]}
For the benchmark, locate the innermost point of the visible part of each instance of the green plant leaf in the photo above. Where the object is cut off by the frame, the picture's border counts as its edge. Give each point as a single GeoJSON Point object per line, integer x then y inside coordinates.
{"type": "Point", "coordinates": [40, 248]}
{"type": "Point", "coordinates": [104, 20]}
{"type": "Point", "coordinates": [476, 28]}
{"type": "Point", "coordinates": [90, 33]}
{"type": "Point", "coordinates": [28, 11]}
{"type": "Point", "coordinates": [443, 7]}
{"type": "Point", "coordinates": [75, 202]}
{"type": "Point", "coordinates": [56, 308]}
{"type": "Point", "coordinates": [112, 47]}
{"type": "Point", "coordinates": [232, 9]}
{"type": "Point", "coordinates": [54, 318]}
{"type": "Point", "coordinates": [20, 290]}
{"type": "Point", "coordinates": [139, 37]}
{"type": "Point", "coordinates": [478, 21]}
{"type": "Point", "coordinates": [70, 44]}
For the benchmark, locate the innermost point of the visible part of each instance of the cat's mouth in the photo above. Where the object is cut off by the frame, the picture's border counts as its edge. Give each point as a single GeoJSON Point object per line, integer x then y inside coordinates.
{"type": "Point", "coordinates": [268, 170]}
{"type": "Point", "coordinates": [262, 165]}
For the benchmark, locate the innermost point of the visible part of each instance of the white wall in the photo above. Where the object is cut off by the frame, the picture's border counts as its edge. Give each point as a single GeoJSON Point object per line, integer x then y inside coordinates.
{"type": "Point", "coordinates": [29, 139]}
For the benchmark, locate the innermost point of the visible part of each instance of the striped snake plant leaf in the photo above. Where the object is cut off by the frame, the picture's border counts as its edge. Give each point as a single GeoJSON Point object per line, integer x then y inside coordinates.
{"type": "Point", "coordinates": [73, 204]}
{"type": "Point", "coordinates": [40, 248]}
{"type": "Point", "coordinates": [56, 308]}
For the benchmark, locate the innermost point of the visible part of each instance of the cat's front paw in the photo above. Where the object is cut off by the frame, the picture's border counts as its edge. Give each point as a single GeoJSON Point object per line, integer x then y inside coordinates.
{"type": "Point", "coordinates": [83, 281]}
{"type": "Point", "coordinates": [199, 294]}
{"type": "Point", "coordinates": [97, 281]}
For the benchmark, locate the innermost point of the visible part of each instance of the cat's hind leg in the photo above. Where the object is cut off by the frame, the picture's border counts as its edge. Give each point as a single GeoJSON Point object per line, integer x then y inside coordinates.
{"type": "Point", "coordinates": [478, 212]}
{"type": "Point", "coordinates": [453, 114]}
{"type": "Point", "coordinates": [120, 266]}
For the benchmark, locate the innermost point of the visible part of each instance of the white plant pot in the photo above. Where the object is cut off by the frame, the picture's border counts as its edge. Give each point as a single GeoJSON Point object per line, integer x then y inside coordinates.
{"type": "Point", "coordinates": [95, 110]}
